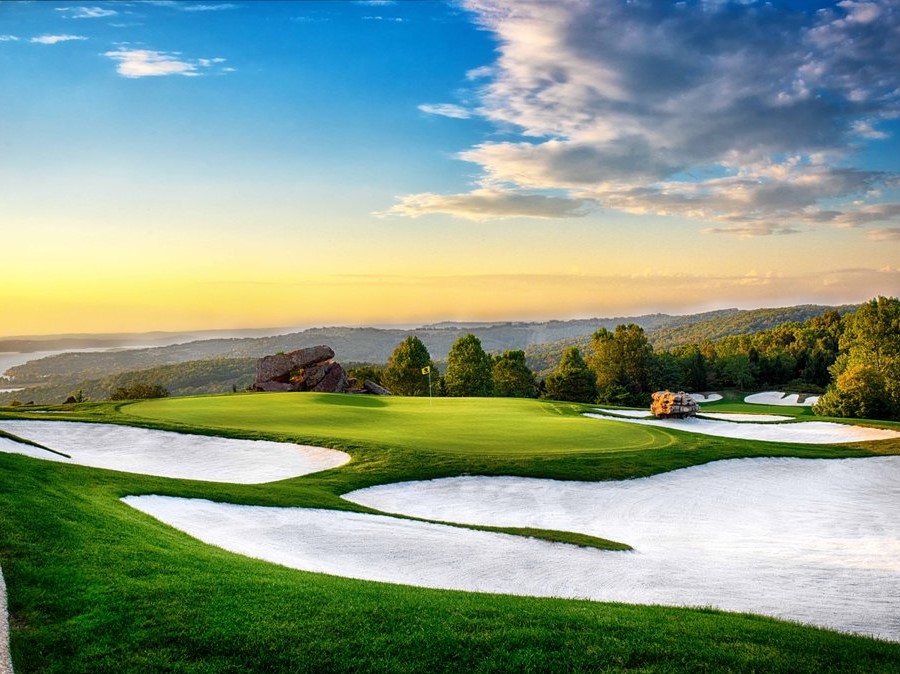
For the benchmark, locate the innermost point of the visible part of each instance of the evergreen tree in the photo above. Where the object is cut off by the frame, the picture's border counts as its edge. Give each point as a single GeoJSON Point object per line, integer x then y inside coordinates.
{"type": "Point", "coordinates": [468, 369]}
{"type": "Point", "coordinates": [512, 376]}
{"type": "Point", "coordinates": [573, 380]}
{"type": "Point", "coordinates": [403, 374]}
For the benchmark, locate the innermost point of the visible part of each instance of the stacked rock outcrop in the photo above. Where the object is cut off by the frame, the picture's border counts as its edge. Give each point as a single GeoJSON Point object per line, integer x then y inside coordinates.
{"type": "Point", "coordinates": [310, 369]}
{"type": "Point", "coordinates": [668, 405]}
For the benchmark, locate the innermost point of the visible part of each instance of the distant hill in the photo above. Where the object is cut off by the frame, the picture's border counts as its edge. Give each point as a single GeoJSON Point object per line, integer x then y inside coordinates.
{"type": "Point", "coordinates": [365, 345]}
{"type": "Point", "coordinates": [738, 323]}
{"type": "Point", "coordinates": [216, 365]}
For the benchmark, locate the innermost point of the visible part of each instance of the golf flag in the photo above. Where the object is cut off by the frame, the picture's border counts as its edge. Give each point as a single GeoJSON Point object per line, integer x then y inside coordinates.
{"type": "Point", "coordinates": [426, 370]}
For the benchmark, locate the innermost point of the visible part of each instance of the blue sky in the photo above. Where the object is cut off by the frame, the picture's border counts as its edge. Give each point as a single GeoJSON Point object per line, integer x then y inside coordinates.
{"type": "Point", "coordinates": [201, 164]}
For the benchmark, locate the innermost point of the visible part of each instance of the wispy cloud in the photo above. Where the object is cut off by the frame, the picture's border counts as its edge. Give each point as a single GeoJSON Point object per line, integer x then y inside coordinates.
{"type": "Point", "coordinates": [446, 110]}
{"type": "Point", "coordinates": [395, 19]}
{"type": "Point", "coordinates": [887, 234]}
{"type": "Point", "coordinates": [136, 63]}
{"type": "Point", "coordinates": [624, 104]}
{"type": "Point", "coordinates": [486, 204]}
{"type": "Point", "coordinates": [53, 39]}
{"type": "Point", "coordinates": [86, 12]}
{"type": "Point", "coordinates": [8, 38]}
{"type": "Point", "coordinates": [187, 7]}
{"type": "Point", "coordinates": [192, 7]}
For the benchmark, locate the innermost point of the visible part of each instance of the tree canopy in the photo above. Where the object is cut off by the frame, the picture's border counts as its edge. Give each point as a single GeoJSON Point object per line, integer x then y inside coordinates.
{"type": "Point", "coordinates": [468, 369]}
{"type": "Point", "coordinates": [403, 374]}
{"type": "Point", "coordinates": [573, 380]}
{"type": "Point", "coordinates": [512, 377]}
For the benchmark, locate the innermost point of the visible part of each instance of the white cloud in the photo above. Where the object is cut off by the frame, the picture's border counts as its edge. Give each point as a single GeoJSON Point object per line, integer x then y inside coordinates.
{"type": "Point", "coordinates": [87, 12]}
{"type": "Point", "coordinates": [395, 19]}
{"type": "Point", "coordinates": [136, 63]}
{"type": "Point", "coordinates": [624, 103]}
{"type": "Point", "coordinates": [487, 204]}
{"type": "Point", "coordinates": [53, 39]}
{"type": "Point", "coordinates": [8, 38]}
{"type": "Point", "coordinates": [206, 8]}
{"type": "Point", "coordinates": [446, 110]}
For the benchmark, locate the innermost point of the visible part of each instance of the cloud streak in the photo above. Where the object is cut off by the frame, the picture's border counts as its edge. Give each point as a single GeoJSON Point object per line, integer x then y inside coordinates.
{"type": "Point", "coordinates": [137, 63]}
{"type": "Point", "coordinates": [86, 12]}
{"type": "Point", "coordinates": [486, 204]}
{"type": "Point", "coordinates": [55, 39]}
{"type": "Point", "coordinates": [626, 104]}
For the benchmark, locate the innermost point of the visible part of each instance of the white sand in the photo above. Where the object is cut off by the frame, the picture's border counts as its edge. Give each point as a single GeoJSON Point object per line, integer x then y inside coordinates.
{"type": "Point", "coordinates": [165, 454]}
{"type": "Point", "coordinates": [739, 416]}
{"type": "Point", "coordinates": [634, 414]}
{"type": "Point", "coordinates": [779, 398]}
{"type": "Point", "coordinates": [809, 540]}
{"type": "Point", "coordinates": [803, 432]}
{"type": "Point", "coordinates": [705, 397]}
{"type": "Point", "coordinates": [5, 658]}
{"type": "Point", "coordinates": [721, 416]}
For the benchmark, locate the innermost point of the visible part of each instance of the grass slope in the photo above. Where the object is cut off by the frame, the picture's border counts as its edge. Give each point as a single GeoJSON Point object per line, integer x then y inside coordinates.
{"type": "Point", "coordinates": [95, 586]}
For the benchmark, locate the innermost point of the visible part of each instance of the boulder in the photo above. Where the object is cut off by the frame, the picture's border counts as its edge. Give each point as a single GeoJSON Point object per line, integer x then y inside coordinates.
{"type": "Point", "coordinates": [668, 405]}
{"type": "Point", "coordinates": [273, 386]}
{"type": "Point", "coordinates": [370, 386]}
{"type": "Point", "coordinates": [274, 368]}
{"type": "Point", "coordinates": [334, 381]}
{"type": "Point", "coordinates": [303, 358]}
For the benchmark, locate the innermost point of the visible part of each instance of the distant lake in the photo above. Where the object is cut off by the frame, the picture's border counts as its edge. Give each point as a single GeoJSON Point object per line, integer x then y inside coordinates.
{"type": "Point", "coordinates": [10, 359]}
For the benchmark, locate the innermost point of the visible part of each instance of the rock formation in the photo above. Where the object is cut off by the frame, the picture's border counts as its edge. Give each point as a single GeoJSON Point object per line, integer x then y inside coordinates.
{"type": "Point", "coordinates": [668, 405]}
{"type": "Point", "coordinates": [309, 369]}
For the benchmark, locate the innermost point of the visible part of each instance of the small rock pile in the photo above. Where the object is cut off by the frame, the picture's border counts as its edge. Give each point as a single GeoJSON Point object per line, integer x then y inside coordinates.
{"type": "Point", "coordinates": [309, 369]}
{"type": "Point", "coordinates": [668, 405]}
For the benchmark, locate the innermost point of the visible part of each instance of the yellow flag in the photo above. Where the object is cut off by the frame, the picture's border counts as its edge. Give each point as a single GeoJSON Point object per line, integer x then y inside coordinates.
{"type": "Point", "coordinates": [426, 370]}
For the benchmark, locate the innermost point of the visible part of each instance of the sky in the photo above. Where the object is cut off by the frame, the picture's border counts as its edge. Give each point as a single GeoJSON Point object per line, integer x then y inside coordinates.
{"type": "Point", "coordinates": [200, 165]}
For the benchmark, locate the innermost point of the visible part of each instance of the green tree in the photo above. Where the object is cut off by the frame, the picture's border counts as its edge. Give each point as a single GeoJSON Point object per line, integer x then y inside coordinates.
{"type": "Point", "coordinates": [468, 369]}
{"type": "Point", "coordinates": [403, 374]}
{"type": "Point", "coordinates": [867, 371]}
{"type": "Point", "coordinates": [622, 360]}
{"type": "Point", "coordinates": [858, 392]}
{"type": "Point", "coordinates": [512, 376]}
{"type": "Point", "coordinates": [573, 380]}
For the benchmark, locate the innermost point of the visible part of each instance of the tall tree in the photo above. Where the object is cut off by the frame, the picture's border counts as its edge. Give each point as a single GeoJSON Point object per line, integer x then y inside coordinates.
{"type": "Point", "coordinates": [573, 380]}
{"type": "Point", "coordinates": [403, 374]}
{"type": "Point", "coordinates": [468, 369]}
{"type": "Point", "coordinates": [622, 360]}
{"type": "Point", "coordinates": [867, 372]}
{"type": "Point", "coordinates": [512, 376]}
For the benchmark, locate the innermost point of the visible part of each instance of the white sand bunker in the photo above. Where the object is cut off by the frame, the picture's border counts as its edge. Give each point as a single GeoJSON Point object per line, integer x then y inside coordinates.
{"type": "Point", "coordinates": [165, 454]}
{"type": "Point", "coordinates": [779, 398]}
{"type": "Point", "coordinates": [805, 432]}
{"type": "Point", "coordinates": [5, 660]}
{"type": "Point", "coordinates": [740, 416]}
{"type": "Point", "coordinates": [810, 540]}
{"type": "Point", "coordinates": [705, 397]}
{"type": "Point", "coordinates": [633, 414]}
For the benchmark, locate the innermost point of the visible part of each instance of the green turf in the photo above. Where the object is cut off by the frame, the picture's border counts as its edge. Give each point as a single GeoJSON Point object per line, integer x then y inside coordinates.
{"type": "Point", "coordinates": [95, 586]}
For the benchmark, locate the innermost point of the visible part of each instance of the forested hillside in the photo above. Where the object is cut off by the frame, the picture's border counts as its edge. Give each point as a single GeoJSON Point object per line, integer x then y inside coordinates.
{"type": "Point", "coordinates": [365, 345]}
{"type": "Point", "coordinates": [222, 365]}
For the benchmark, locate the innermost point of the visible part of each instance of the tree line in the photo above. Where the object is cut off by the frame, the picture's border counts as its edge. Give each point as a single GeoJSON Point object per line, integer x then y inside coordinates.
{"type": "Point", "coordinates": [853, 359]}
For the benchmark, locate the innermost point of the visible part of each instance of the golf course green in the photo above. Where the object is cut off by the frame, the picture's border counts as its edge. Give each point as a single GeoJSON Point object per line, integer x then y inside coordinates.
{"type": "Point", "coordinates": [95, 586]}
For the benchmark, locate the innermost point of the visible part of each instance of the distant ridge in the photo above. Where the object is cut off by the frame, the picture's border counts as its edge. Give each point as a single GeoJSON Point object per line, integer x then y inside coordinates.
{"type": "Point", "coordinates": [542, 341]}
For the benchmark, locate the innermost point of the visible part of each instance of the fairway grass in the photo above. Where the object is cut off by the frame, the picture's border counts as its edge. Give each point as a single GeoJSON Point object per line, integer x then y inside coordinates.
{"type": "Point", "coordinates": [95, 586]}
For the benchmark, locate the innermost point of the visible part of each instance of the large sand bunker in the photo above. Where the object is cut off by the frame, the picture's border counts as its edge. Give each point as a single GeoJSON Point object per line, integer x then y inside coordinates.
{"type": "Point", "coordinates": [805, 432]}
{"type": "Point", "coordinates": [779, 398]}
{"type": "Point", "coordinates": [165, 454]}
{"type": "Point", "coordinates": [815, 541]}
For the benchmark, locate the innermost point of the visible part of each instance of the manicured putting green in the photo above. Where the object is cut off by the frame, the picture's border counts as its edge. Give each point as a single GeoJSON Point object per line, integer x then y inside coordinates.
{"type": "Point", "coordinates": [484, 426]}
